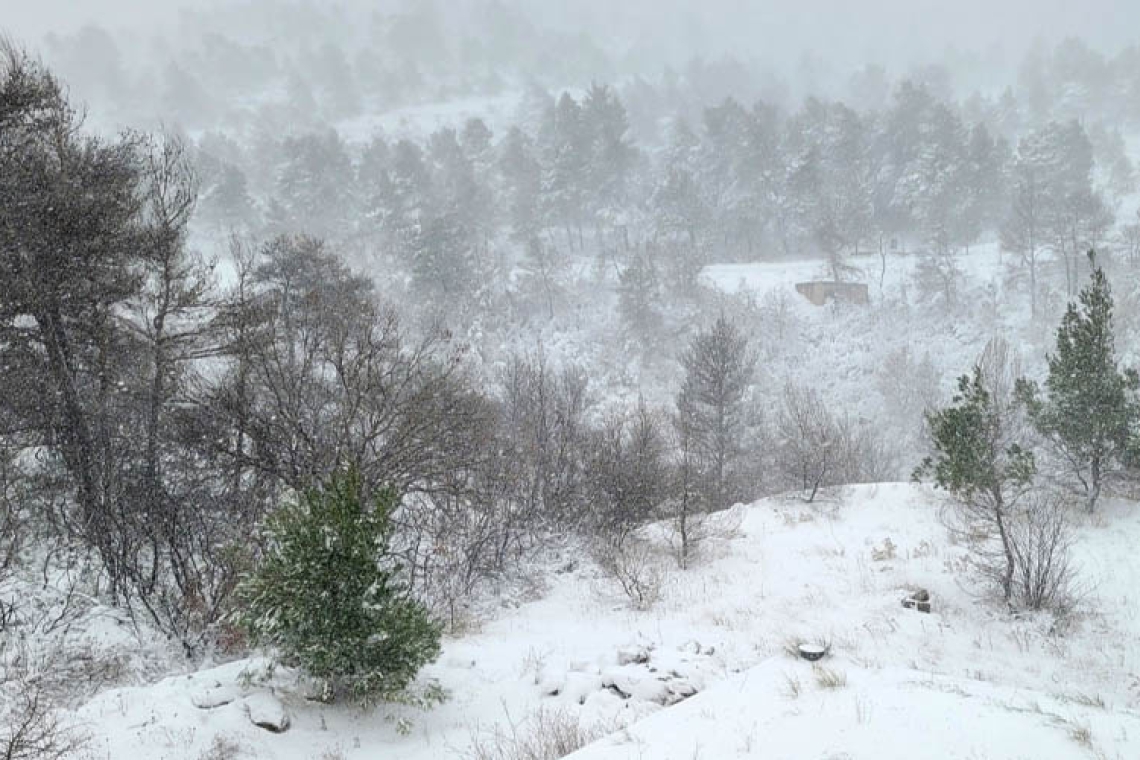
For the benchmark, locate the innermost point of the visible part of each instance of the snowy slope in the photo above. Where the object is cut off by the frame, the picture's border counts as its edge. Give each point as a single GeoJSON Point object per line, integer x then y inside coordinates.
{"type": "Point", "coordinates": [885, 714]}
{"type": "Point", "coordinates": [967, 680]}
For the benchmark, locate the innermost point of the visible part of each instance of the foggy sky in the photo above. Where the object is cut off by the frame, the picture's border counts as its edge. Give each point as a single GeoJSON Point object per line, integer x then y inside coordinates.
{"type": "Point", "coordinates": [843, 32]}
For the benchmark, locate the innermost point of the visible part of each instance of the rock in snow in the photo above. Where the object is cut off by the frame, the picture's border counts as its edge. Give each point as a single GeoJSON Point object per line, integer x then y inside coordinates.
{"type": "Point", "coordinates": [214, 696]}
{"type": "Point", "coordinates": [632, 655]}
{"type": "Point", "coordinates": [266, 711]}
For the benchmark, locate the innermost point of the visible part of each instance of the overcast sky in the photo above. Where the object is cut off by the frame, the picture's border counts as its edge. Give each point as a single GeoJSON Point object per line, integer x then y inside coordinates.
{"type": "Point", "coordinates": [846, 31]}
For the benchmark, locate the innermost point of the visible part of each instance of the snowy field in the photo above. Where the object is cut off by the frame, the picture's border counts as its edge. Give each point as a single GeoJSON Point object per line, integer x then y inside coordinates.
{"type": "Point", "coordinates": [966, 680]}
{"type": "Point", "coordinates": [982, 264]}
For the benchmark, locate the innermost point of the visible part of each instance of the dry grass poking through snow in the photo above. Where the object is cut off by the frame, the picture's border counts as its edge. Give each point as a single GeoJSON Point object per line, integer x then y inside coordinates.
{"type": "Point", "coordinates": [827, 678]}
{"type": "Point", "coordinates": [548, 734]}
{"type": "Point", "coordinates": [793, 688]}
{"type": "Point", "coordinates": [222, 748]}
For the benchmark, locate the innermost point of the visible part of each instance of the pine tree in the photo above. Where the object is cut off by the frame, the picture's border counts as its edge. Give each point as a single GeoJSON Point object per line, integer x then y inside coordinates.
{"type": "Point", "coordinates": [719, 367]}
{"type": "Point", "coordinates": [638, 297]}
{"type": "Point", "coordinates": [314, 184]}
{"type": "Point", "coordinates": [522, 180]}
{"type": "Point", "coordinates": [979, 461]}
{"type": "Point", "coordinates": [326, 596]}
{"type": "Point", "coordinates": [1089, 411]}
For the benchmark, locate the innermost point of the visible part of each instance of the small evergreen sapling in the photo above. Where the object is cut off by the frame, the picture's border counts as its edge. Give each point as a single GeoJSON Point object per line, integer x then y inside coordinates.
{"type": "Point", "coordinates": [325, 596]}
{"type": "Point", "coordinates": [978, 460]}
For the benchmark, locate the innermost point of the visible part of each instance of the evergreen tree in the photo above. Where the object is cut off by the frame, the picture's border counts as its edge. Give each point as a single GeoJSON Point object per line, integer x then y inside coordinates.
{"type": "Point", "coordinates": [476, 141]}
{"type": "Point", "coordinates": [337, 86]}
{"type": "Point", "coordinates": [522, 181]}
{"type": "Point", "coordinates": [1088, 411]}
{"type": "Point", "coordinates": [565, 169]}
{"type": "Point", "coordinates": [611, 155]}
{"type": "Point", "coordinates": [638, 295]}
{"type": "Point", "coordinates": [375, 187]}
{"type": "Point", "coordinates": [678, 207]}
{"type": "Point", "coordinates": [978, 459]}
{"type": "Point", "coordinates": [445, 260]}
{"type": "Point", "coordinates": [985, 182]}
{"type": "Point", "coordinates": [719, 367]}
{"type": "Point", "coordinates": [227, 201]}
{"type": "Point", "coordinates": [902, 142]}
{"type": "Point", "coordinates": [409, 202]}
{"type": "Point", "coordinates": [1054, 204]}
{"type": "Point", "coordinates": [326, 596]}
{"type": "Point", "coordinates": [314, 184]}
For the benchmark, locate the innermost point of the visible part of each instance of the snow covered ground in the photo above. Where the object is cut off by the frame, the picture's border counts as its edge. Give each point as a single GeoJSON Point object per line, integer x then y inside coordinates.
{"type": "Point", "coordinates": [417, 122]}
{"type": "Point", "coordinates": [967, 680]}
{"type": "Point", "coordinates": [984, 263]}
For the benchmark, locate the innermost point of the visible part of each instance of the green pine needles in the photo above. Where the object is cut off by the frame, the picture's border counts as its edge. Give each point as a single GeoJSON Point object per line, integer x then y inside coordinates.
{"type": "Point", "coordinates": [974, 456]}
{"type": "Point", "coordinates": [325, 596]}
{"type": "Point", "coordinates": [979, 460]}
{"type": "Point", "coordinates": [1088, 411]}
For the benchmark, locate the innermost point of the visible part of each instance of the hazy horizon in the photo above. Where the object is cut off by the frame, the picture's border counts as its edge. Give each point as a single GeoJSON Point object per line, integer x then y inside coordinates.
{"type": "Point", "coordinates": [835, 32]}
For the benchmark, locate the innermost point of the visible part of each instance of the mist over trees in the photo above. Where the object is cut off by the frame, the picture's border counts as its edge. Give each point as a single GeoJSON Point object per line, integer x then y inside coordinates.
{"type": "Point", "coordinates": [503, 325]}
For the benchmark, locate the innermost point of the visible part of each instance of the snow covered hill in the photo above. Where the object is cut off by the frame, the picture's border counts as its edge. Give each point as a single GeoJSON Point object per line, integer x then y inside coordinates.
{"type": "Point", "coordinates": [883, 713]}
{"type": "Point", "coordinates": [967, 680]}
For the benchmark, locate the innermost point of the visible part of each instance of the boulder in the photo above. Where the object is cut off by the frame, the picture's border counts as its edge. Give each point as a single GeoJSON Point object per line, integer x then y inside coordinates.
{"type": "Point", "coordinates": [266, 711]}
{"type": "Point", "coordinates": [919, 600]}
{"type": "Point", "coordinates": [634, 655]}
{"type": "Point", "coordinates": [678, 691]}
{"type": "Point", "coordinates": [214, 696]}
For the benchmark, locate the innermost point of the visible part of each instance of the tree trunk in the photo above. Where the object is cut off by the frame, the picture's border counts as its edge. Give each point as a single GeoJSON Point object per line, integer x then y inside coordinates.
{"type": "Point", "coordinates": [883, 266]}
{"type": "Point", "coordinates": [1094, 482]}
{"type": "Point", "coordinates": [78, 440]}
{"type": "Point", "coordinates": [1006, 546]}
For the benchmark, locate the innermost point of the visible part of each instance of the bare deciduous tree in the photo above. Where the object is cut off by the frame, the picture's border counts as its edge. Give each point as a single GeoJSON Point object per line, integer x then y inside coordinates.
{"type": "Point", "coordinates": [629, 476]}
{"type": "Point", "coordinates": [30, 729]}
{"type": "Point", "coordinates": [816, 449]}
{"type": "Point", "coordinates": [1040, 539]}
{"type": "Point", "coordinates": [544, 415]}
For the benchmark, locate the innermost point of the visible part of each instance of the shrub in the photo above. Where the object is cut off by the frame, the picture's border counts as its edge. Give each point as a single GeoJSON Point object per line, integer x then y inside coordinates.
{"type": "Point", "coordinates": [1040, 537]}
{"type": "Point", "coordinates": [980, 461]}
{"type": "Point", "coordinates": [29, 726]}
{"type": "Point", "coordinates": [325, 594]}
{"type": "Point", "coordinates": [816, 449]}
{"type": "Point", "coordinates": [631, 561]}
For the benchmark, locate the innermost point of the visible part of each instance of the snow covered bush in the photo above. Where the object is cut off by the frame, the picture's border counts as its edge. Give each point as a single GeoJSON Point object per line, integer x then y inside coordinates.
{"type": "Point", "coordinates": [630, 477]}
{"type": "Point", "coordinates": [29, 726]}
{"type": "Point", "coordinates": [909, 385]}
{"type": "Point", "coordinates": [325, 594]}
{"type": "Point", "coordinates": [633, 563]}
{"type": "Point", "coordinates": [816, 449]}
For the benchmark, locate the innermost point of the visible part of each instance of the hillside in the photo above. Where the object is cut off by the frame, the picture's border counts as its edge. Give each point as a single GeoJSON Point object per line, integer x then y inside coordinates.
{"type": "Point", "coordinates": [967, 680]}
